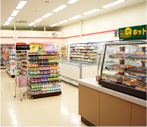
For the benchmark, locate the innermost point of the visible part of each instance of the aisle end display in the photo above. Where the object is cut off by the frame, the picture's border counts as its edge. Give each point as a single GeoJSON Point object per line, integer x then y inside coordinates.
{"type": "Point", "coordinates": [43, 71]}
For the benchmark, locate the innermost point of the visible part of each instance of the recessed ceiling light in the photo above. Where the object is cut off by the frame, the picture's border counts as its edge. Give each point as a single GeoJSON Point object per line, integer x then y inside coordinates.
{"type": "Point", "coordinates": [72, 1]}
{"type": "Point", "coordinates": [47, 15]}
{"type": "Point", "coordinates": [38, 20]}
{"type": "Point", "coordinates": [31, 24]}
{"type": "Point", "coordinates": [6, 23]}
{"type": "Point", "coordinates": [59, 8]}
{"type": "Point", "coordinates": [54, 25]}
{"type": "Point", "coordinates": [21, 4]}
{"type": "Point", "coordinates": [113, 3]}
{"type": "Point", "coordinates": [64, 21]}
{"type": "Point", "coordinates": [91, 11]}
{"type": "Point", "coordinates": [10, 19]}
{"type": "Point", "coordinates": [34, 25]}
{"type": "Point", "coordinates": [75, 17]}
{"type": "Point", "coordinates": [15, 12]}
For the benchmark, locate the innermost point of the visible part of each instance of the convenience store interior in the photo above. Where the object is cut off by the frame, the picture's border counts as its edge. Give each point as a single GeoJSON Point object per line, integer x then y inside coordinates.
{"type": "Point", "coordinates": [63, 62]}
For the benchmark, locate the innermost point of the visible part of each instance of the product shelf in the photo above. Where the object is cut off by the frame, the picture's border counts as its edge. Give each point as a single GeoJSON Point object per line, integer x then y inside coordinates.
{"type": "Point", "coordinates": [42, 71]}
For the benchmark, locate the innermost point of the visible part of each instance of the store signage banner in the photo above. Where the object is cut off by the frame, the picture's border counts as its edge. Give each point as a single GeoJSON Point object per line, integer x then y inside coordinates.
{"type": "Point", "coordinates": [48, 48]}
{"type": "Point", "coordinates": [41, 47]}
{"type": "Point", "coordinates": [135, 32]}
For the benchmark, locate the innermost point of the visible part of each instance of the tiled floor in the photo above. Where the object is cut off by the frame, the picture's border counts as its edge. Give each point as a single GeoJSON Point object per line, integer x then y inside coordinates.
{"type": "Point", "coordinates": [59, 110]}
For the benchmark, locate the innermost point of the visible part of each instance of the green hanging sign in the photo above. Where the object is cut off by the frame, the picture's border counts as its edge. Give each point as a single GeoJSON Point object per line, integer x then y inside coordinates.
{"type": "Point", "coordinates": [135, 32]}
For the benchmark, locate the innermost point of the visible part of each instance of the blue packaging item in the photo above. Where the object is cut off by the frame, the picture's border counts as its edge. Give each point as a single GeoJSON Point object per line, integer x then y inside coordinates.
{"type": "Point", "coordinates": [139, 76]}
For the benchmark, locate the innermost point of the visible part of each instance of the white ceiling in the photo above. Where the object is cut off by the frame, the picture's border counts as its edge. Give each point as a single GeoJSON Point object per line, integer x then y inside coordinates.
{"type": "Point", "coordinates": [35, 9]}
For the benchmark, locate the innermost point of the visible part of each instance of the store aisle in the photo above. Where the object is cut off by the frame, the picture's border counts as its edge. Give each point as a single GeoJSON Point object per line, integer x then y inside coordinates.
{"type": "Point", "coordinates": [51, 111]}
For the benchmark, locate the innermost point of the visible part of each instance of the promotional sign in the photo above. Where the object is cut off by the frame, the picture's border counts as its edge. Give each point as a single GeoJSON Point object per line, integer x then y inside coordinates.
{"type": "Point", "coordinates": [35, 47]}
{"type": "Point", "coordinates": [48, 47]}
{"type": "Point", "coordinates": [135, 32]}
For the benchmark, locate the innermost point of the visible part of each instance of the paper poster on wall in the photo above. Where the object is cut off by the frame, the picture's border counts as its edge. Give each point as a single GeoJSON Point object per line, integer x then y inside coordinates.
{"type": "Point", "coordinates": [48, 47]}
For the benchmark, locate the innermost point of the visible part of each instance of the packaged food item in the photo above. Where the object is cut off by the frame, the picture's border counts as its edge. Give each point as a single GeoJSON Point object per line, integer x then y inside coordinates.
{"type": "Point", "coordinates": [104, 77]}
{"type": "Point", "coordinates": [124, 66]}
{"type": "Point", "coordinates": [120, 52]}
{"type": "Point", "coordinates": [139, 52]}
{"type": "Point", "coordinates": [116, 78]}
{"type": "Point", "coordinates": [142, 87]}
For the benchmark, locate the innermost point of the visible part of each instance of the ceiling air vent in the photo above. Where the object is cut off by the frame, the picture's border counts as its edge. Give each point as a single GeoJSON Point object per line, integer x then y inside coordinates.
{"type": "Point", "coordinates": [46, 1]}
{"type": "Point", "coordinates": [21, 22]}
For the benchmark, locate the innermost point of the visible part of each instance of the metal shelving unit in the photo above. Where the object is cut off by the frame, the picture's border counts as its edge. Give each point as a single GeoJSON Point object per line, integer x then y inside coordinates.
{"type": "Point", "coordinates": [10, 62]}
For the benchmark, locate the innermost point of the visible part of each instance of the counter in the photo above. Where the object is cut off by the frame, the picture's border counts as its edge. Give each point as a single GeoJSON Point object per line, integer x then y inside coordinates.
{"type": "Point", "coordinates": [71, 72]}
{"type": "Point", "coordinates": [101, 106]}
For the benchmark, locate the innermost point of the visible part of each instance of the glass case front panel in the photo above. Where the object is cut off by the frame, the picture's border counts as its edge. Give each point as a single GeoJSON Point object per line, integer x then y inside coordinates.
{"type": "Point", "coordinates": [125, 64]}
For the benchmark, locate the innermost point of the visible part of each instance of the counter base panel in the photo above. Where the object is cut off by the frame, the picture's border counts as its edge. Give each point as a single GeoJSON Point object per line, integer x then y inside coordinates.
{"type": "Point", "coordinates": [124, 89]}
{"type": "Point", "coordinates": [107, 110]}
{"type": "Point", "coordinates": [86, 122]}
{"type": "Point", "coordinates": [69, 80]}
{"type": "Point", "coordinates": [69, 83]}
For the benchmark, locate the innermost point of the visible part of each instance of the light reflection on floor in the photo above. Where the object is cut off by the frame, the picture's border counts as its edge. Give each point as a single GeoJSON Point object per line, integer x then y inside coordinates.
{"type": "Point", "coordinates": [51, 111]}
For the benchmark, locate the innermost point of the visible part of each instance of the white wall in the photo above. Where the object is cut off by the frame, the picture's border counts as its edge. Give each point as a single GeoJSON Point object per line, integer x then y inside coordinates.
{"type": "Point", "coordinates": [10, 33]}
{"type": "Point", "coordinates": [128, 16]}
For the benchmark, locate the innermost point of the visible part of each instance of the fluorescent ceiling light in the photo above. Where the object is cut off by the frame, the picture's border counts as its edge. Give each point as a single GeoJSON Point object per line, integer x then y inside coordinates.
{"type": "Point", "coordinates": [6, 23]}
{"type": "Point", "coordinates": [75, 17]}
{"type": "Point", "coordinates": [72, 1]}
{"type": "Point", "coordinates": [113, 3]}
{"type": "Point", "coordinates": [10, 19]}
{"type": "Point", "coordinates": [54, 25]}
{"type": "Point", "coordinates": [21, 4]}
{"type": "Point", "coordinates": [38, 20]}
{"type": "Point", "coordinates": [31, 24]}
{"type": "Point", "coordinates": [91, 11]}
{"type": "Point", "coordinates": [59, 8]}
{"type": "Point", "coordinates": [47, 15]}
{"type": "Point", "coordinates": [64, 21]}
{"type": "Point", "coordinates": [15, 12]}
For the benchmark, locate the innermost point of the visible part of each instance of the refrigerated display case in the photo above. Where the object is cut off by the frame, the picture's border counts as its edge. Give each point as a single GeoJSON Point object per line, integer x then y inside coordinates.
{"type": "Point", "coordinates": [84, 53]}
{"type": "Point", "coordinates": [124, 67]}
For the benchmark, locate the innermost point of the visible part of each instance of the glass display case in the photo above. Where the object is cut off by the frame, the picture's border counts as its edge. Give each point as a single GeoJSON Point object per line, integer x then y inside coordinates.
{"type": "Point", "coordinates": [124, 67]}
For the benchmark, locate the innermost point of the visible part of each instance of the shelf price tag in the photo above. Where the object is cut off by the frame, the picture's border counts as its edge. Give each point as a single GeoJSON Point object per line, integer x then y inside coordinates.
{"type": "Point", "coordinates": [135, 32]}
